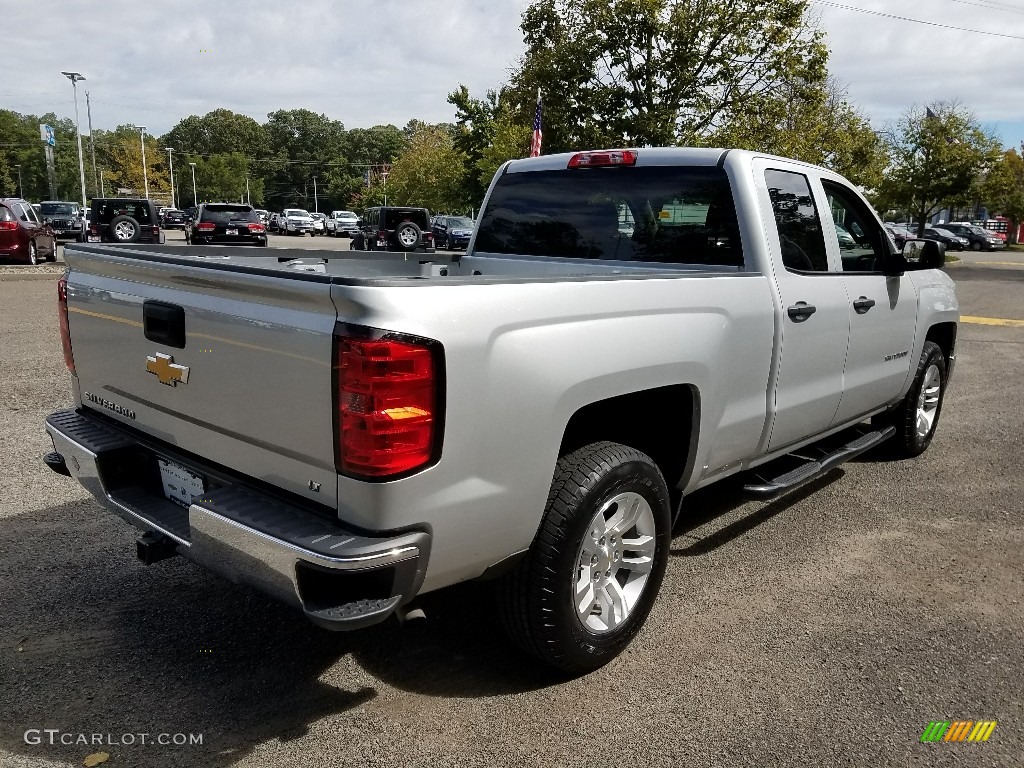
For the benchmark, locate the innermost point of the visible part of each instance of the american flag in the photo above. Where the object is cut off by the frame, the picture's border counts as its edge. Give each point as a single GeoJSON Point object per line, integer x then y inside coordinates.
{"type": "Point", "coordinates": [538, 134]}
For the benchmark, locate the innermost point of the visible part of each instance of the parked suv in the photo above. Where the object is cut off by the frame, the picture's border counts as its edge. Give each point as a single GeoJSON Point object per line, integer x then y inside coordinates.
{"type": "Point", "coordinates": [386, 227]}
{"type": "Point", "coordinates": [65, 218]}
{"type": "Point", "coordinates": [342, 223]}
{"type": "Point", "coordinates": [226, 223]}
{"type": "Point", "coordinates": [979, 237]}
{"type": "Point", "coordinates": [23, 236]}
{"type": "Point", "coordinates": [173, 217]}
{"type": "Point", "coordinates": [123, 220]}
{"type": "Point", "coordinates": [452, 231]}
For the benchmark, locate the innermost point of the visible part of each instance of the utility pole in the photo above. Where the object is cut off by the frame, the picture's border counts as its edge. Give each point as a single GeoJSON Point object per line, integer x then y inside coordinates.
{"type": "Point", "coordinates": [74, 77]}
{"type": "Point", "coordinates": [21, 189]}
{"type": "Point", "coordinates": [145, 173]}
{"type": "Point", "coordinates": [248, 199]}
{"type": "Point", "coordinates": [316, 203]}
{"type": "Point", "coordinates": [195, 197]}
{"type": "Point", "coordinates": [170, 157]}
{"type": "Point", "coordinates": [92, 144]}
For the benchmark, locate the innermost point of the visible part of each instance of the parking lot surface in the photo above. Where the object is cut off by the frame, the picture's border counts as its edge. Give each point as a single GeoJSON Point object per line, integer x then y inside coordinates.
{"type": "Point", "coordinates": [826, 628]}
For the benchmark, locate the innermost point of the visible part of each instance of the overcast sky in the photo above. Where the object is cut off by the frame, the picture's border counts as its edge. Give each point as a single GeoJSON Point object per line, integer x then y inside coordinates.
{"type": "Point", "coordinates": [370, 62]}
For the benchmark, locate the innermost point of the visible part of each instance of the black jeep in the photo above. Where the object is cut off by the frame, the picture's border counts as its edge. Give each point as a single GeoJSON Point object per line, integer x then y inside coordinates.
{"type": "Point", "coordinates": [400, 228]}
{"type": "Point", "coordinates": [123, 220]}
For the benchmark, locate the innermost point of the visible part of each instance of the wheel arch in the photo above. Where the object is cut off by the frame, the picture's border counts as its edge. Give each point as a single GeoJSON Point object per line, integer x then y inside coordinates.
{"type": "Point", "coordinates": [944, 334]}
{"type": "Point", "coordinates": [672, 445]}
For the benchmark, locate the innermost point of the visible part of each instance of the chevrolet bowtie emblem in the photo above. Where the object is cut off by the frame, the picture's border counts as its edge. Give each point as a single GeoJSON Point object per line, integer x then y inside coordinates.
{"type": "Point", "coordinates": [167, 370]}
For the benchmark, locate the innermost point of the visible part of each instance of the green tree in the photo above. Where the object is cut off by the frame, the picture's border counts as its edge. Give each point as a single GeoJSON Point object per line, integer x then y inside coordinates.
{"type": "Point", "coordinates": [429, 173]}
{"type": "Point", "coordinates": [657, 72]}
{"type": "Point", "coordinates": [816, 124]}
{"type": "Point", "coordinates": [221, 178]}
{"type": "Point", "coordinates": [122, 154]}
{"type": "Point", "coordinates": [937, 154]}
{"type": "Point", "coordinates": [1003, 188]}
{"type": "Point", "coordinates": [219, 132]}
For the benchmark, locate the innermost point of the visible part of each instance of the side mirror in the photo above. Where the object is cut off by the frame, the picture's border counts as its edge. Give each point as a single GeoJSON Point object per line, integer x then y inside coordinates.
{"type": "Point", "coordinates": [923, 254]}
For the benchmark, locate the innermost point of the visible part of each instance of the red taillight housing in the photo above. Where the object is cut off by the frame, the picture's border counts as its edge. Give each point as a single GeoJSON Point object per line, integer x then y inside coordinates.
{"type": "Point", "coordinates": [603, 158]}
{"type": "Point", "coordinates": [156, 230]}
{"type": "Point", "coordinates": [206, 226]}
{"type": "Point", "coordinates": [257, 228]}
{"type": "Point", "coordinates": [8, 226]}
{"type": "Point", "coordinates": [62, 316]}
{"type": "Point", "coordinates": [387, 403]}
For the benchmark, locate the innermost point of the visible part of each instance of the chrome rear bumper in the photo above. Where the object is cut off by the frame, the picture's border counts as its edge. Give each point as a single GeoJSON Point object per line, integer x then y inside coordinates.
{"type": "Point", "coordinates": [339, 577]}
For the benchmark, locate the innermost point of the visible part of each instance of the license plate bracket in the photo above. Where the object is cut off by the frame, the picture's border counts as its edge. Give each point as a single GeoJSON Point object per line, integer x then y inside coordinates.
{"type": "Point", "coordinates": [180, 485]}
{"type": "Point", "coordinates": [232, 231]}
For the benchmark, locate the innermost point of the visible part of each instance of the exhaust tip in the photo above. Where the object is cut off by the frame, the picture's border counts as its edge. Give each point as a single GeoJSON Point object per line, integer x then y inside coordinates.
{"type": "Point", "coordinates": [152, 547]}
{"type": "Point", "coordinates": [56, 462]}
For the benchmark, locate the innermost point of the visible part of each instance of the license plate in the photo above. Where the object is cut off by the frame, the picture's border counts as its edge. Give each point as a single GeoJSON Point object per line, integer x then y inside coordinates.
{"type": "Point", "coordinates": [93, 239]}
{"type": "Point", "coordinates": [382, 243]}
{"type": "Point", "coordinates": [180, 484]}
{"type": "Point", "coordinates": [232, 231]}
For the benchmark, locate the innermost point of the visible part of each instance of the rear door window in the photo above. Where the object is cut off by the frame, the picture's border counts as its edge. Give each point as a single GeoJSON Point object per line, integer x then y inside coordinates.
{"type": "Point", "coordinates": [796, 216]}
{"type": "Point", "coordinates": [667, 214]}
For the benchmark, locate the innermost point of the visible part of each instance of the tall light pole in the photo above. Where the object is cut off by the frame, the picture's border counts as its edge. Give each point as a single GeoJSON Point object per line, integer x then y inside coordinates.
{"type": "Point", "coordinates": [145, 173]}
{"type": "Point", "coordinates": [21, 189]}
{"type": "Point", "coordinates": [195, 197]}
{"type": "Point", "coordinates": [170, 157]}
{"type": "Point", "coordinates": [248, 199]}
{"type": "Point", "coordinates": [74, 77]}
{"type": "Point", "coordinates": [92, 144]}
{"type": "Point", "coordinates": [316, 203]}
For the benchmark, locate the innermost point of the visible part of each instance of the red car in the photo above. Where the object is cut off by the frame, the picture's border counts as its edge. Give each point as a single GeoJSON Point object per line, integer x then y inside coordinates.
{"type": "Point", "coordinates": [23, 237]}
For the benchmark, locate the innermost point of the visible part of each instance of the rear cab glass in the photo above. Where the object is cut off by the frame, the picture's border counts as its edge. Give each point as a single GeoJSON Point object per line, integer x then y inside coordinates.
{"type": "Point", "coordinates": [226, 213]}
{"type": "Point", "coordinates": [664, 214]}
{"type": "Point", "coordinates": [138, 210]}
{"type": "Point", "coordinates": [418, 216]}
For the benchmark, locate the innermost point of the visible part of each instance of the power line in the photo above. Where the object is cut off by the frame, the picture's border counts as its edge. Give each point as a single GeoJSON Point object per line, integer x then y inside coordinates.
{"type": "Point", "coordinates": [916, 21]}
{"type": "Point", "coordinates": [990, 6]}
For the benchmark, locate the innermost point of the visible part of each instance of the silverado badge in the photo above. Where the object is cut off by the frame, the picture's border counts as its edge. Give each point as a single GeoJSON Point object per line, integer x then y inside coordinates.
{"type": "Point", "coordinates": [165, 369]}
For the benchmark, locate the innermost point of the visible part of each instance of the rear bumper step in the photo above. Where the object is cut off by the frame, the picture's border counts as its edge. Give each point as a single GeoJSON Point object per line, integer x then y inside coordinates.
{"type": "Point", "coordinates": [767, 487]}
{"type": "Point", "coordinates": [340, 578]}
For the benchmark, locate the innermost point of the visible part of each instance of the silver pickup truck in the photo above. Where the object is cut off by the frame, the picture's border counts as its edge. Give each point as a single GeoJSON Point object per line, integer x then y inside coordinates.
{"type": "Point", "coordinates": [346, 433]}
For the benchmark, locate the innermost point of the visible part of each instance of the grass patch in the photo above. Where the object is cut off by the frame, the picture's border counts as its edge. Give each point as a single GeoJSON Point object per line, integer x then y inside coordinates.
{"type": "Point", "coordinates": [952, 259]}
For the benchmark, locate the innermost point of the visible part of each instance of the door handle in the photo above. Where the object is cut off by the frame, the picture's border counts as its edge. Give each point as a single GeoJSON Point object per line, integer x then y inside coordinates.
{"type": "Point", "coordinates": [863, 304]}
{"type": "Point", "coordinates": [801, 311]}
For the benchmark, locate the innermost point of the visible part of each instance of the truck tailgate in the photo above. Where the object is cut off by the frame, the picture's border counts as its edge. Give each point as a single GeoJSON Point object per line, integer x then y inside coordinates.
{"type": "Point", "coordinates": [256, 396]}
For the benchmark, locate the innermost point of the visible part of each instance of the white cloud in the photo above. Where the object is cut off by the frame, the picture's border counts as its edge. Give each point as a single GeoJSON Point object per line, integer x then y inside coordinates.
{"type": "Point", "coordinates": [367, 62]}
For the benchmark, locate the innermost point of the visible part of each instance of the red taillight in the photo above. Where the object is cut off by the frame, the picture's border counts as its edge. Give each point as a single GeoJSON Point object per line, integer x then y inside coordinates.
{"type": "Point", "coordinates": [62, 316]}
{"type": "Point", "coordinates": [8, 226]}
{"type": "Point", "coordinates": [156, 230]}
{"type": "Point", "coordinates": [386, 404]}
{"type": "Point", "coordinates": [607, 157]}
{"type": "Point", "coordinates": [206, 226]}
{"type": "Point", "coordinates": [93, 229]}
{"type": "Point", "coordinates": [257, 228]}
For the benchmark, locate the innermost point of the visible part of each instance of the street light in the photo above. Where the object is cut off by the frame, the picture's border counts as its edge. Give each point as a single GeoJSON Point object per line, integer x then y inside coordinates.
{"type": "Point", "coordinates": [142, 139]}
{"type": "Point", "coordinates": [74, 77]}
{"type": "Point", "coordinates": [316, 203]}
{"type": "Point", "coordinates": [170, 157]}
{"type": "Point", "coordinates": [195, 197]}
{"type": "Point", "coordinates": [21, 189]}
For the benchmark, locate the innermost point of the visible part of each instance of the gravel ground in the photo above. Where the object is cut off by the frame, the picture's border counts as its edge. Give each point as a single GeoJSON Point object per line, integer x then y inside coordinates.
{"type": "Point", "coordinates": [823, 629]}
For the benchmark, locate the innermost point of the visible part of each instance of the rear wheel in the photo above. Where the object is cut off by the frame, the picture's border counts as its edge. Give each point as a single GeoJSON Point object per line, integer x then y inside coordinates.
{"type": "Point", "coordinates": [33, 253]}
{"type": "Point", "coordinates": [594, 569]}
{"type": "Point", "coordinates": [975, 246]}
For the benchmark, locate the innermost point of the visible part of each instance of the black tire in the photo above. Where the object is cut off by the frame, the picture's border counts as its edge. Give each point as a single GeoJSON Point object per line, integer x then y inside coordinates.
{"type": "Point", "coordinates": [909, 440]}
{"type": "Point", "coordinates": [408, 236]}
{"type": "Point", "coordinates": [449, 243]}
{"type": "Point", "coordinates": [537, 598]}
{"type": "Point", "coordinates": [120, 226]}
{"type": "Point", "coordinates": [33, 253]}
{"type": "Point", "coordinates": [975, 246]}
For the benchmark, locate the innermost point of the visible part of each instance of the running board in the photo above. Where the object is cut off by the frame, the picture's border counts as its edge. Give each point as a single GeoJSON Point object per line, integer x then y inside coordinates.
{"type": "Point", "coordinates": [810, 467]}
